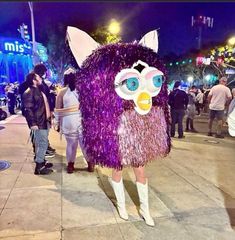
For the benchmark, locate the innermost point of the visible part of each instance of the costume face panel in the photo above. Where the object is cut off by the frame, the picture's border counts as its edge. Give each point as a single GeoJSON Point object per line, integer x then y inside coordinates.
{"type": "Point", "coordinates": [139, 83]}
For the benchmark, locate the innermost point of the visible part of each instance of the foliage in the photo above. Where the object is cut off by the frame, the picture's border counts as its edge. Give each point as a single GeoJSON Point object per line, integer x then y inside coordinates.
{"type": "Point", "coordinates": [58, 59]}
{"type": "Point", "coordinates": [103, 36]}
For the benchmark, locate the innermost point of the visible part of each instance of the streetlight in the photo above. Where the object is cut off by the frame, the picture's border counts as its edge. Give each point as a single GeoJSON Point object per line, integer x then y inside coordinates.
{"type": "Point", "coordinates": [231, 41]}
{"type": "Point", "coordinates": [33, 32]}
{"type": "Point", "coordinates": [190, 79]}
{"type": "Point", "coordinates": [114, 27]}
{"type": "Point", "coordinates": [200, 22]}
{"type": "Point", "coordinates": [208, 77]}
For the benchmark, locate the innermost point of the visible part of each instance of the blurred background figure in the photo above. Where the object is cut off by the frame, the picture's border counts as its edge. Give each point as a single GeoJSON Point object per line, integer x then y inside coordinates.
{"type": "Point", "coordinates": [178, 101]}
{"type": "Point", "coordinates": [10, 91]}
{"type": "Point", "coordinates": [219, 97]}
{"type": "Point", "coordinates": [191, 109]}
{"type": "Point", "coordinates": [199, 101]}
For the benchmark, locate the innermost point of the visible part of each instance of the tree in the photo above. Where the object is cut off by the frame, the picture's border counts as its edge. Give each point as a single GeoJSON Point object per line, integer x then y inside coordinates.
{"type": "Point", "coordinates": [103, 36]}
{"type": "Point", "coordinates": [58, 59]}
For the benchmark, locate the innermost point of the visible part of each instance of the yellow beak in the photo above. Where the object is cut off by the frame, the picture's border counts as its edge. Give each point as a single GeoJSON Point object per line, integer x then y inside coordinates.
{"type": "Point", "coordinates": [144, 101]}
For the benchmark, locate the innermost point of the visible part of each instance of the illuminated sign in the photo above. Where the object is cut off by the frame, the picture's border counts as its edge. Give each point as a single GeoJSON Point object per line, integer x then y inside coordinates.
{"type": "Point", "coordinates": [202, 60]}
{"type": "Point", "coordinates": [16, 46]}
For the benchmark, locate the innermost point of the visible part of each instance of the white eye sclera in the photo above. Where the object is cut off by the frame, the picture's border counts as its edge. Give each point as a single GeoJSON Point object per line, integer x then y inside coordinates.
{"type": "Point", "coordinates": [154, 79]}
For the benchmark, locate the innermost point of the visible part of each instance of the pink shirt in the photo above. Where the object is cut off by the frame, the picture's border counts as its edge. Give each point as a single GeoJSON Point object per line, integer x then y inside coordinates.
{"type": "Point", "coordinates": [220, 95]}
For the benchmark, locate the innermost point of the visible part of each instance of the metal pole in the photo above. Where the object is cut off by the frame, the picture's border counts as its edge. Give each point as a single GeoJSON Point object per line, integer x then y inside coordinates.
{"type": "Point", "coordinates": [33, 32]}
{"type": "Point", "coordinates": [199, 37]}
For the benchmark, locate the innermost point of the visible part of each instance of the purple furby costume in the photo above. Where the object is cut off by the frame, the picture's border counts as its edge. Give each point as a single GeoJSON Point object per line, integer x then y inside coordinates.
{"type": "Point", "coordinates": [123, 101]}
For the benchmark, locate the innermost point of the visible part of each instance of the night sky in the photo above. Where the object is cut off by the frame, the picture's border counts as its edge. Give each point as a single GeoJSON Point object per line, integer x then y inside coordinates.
{"type": "Point", "coordinates": [137, 18]}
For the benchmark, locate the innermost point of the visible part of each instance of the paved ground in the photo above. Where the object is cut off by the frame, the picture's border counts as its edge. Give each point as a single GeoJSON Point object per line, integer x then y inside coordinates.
{"type": "Point", "coordinates": [192, 193]}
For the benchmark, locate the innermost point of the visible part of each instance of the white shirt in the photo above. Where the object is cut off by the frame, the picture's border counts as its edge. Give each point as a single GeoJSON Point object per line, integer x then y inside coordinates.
{"type": "Point", "coordinates": [220, 95]}
{"type": "Point", "coordinates": [199, 97]}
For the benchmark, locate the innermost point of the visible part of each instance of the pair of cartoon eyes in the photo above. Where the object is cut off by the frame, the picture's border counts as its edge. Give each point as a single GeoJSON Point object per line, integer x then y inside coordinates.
{"type": "Point", "coordinates": [133, 83]}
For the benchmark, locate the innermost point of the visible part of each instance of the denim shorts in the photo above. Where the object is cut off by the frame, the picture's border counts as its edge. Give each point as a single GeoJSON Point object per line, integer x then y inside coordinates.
{"type": "Point", "coordinates": [218, 114]}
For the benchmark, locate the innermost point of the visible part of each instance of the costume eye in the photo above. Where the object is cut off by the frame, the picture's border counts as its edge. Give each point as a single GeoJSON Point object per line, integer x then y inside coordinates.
{"type": "Point", "coordinates": [154, 80]}
{"type": "Point", "coordinates": [157, 81]}
{"type": "Point", "coordinates": [127, 83]}
{"type": "Point", "coordinates": [132, 84]}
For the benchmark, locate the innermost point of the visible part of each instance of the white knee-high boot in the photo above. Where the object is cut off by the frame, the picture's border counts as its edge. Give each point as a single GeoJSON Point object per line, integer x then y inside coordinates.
{"type": "Point", "coordinates": [144, 203]}
{"type": "Point", "coordinates": [120, 196]}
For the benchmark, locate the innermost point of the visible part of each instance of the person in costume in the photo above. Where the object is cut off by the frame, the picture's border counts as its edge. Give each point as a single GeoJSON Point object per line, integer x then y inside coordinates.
{"type": "Point", "coordinates": [123, 101]}
{"type": "Point", "coordinates": [68, 118]}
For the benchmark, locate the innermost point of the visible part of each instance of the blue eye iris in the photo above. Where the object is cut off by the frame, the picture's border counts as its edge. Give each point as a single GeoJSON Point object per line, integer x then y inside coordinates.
{"type": "Point", "coordinates": [157, 80]}
{"type": "Point", "coordinates": [132, 84]}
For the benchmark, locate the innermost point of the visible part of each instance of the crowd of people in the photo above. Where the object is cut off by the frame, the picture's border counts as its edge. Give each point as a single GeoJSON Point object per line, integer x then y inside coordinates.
{"type": "Point", "coordinates": [190, 104]}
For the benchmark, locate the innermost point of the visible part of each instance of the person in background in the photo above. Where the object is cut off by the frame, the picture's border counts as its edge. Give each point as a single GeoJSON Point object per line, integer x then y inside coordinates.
{"type": "Point", "coordinates": [178, 101]}
{"type": "Point", "coordinates": [205, 99]}
{"type": "Point", "coordinates": [191, 110]}
{"type": "Point", "coordinates": [68, 117]}
{"type": "Point", "coordinates": [11, 96]}
{"type": "Point", "coordinates": [199, 101]}
{"type": "Point", "coordinates": [37, 114]}
{"type": "Point", "coordinates": [218, 98]}
{"type": "Point", "coordinates": [41, 70]}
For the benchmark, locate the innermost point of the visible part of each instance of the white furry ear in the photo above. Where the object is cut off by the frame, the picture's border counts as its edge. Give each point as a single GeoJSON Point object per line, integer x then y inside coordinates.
{"type": "Point", "coordinates": [80, 43]}
{"type": "Point", "coordinates": [150, 40]}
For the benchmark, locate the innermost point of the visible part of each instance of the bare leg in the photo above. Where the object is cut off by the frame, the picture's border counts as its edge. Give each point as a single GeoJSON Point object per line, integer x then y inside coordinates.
{"type": "Point", "coordinates": [116, 175]}
{"type": "Point", "coordinates": [139, 174]}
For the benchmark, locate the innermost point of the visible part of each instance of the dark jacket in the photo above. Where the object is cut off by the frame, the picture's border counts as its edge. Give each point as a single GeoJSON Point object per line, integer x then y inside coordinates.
{"type": "Point", "coordinates": [178, 99]}
{"type": "Point", "coordinates": [34, 108]}
{"type": "Point", "coordinates": [22, 88]}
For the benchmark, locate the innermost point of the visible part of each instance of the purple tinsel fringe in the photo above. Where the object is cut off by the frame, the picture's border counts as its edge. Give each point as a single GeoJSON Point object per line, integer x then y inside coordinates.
{"type": "Point", "coordinates": [102, 108]}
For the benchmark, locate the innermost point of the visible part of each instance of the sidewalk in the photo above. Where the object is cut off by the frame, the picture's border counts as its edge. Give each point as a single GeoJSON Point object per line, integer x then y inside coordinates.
{"type": "Point", "coordinates": [192, 193]}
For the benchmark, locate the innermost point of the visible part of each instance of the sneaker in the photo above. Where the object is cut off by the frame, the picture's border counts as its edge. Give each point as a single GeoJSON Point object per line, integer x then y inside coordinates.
{"type": "Point", "coordinates": [209, 134]}
{"type": "Point", "coordinates": [181, 136]}
{"type": "Point", "coordinates": [41, 169]}
{"type": "Point", "coordinates": [50, 149]}
{"type": "Point", "coordinates": [194, 131]}
{"type": "Point", "coordinates": [219, 136]}
{"type": "Point", "coordinates": [48, 164]}
{"type": "Point", "coordinates": [49, 154]}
